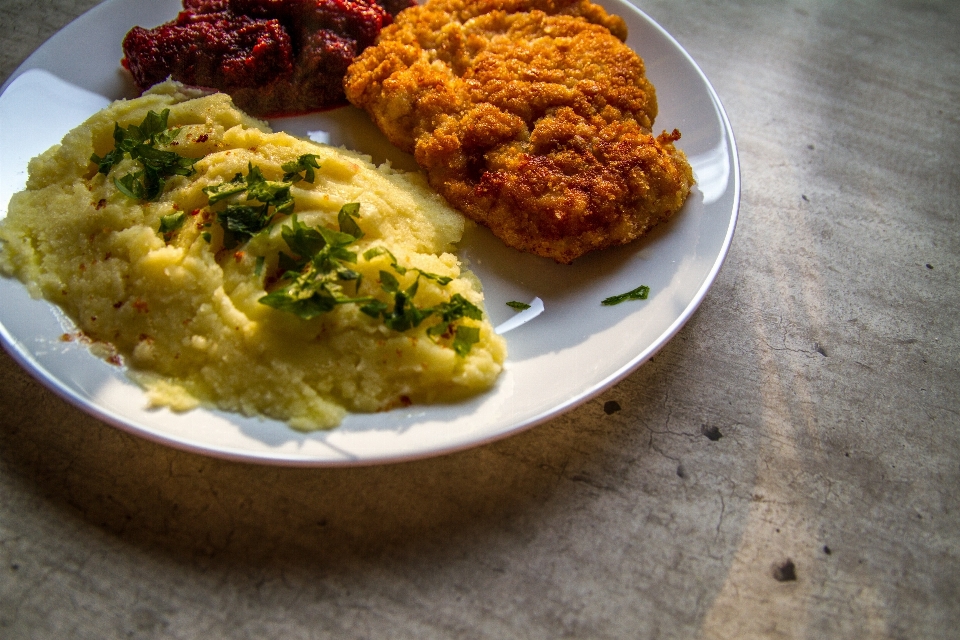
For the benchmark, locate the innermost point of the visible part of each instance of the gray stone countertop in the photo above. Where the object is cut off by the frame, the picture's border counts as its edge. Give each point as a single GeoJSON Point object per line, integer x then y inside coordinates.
{"type": "Point", "coordinates": [788, 466]}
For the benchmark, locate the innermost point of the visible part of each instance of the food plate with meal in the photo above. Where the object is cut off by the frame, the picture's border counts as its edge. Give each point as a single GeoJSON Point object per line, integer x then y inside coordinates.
{"type": "Point", "coordinates": [294, 291]}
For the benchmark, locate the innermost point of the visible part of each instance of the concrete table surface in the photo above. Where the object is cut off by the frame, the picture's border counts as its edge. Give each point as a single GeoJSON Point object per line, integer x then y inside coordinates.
{"type": "Point", "coordinates": [787, 467]}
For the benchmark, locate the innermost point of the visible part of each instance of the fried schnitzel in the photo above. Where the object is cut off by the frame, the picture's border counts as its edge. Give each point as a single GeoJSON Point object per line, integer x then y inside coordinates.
{"type": "Point", "coordinates": [530, 116]}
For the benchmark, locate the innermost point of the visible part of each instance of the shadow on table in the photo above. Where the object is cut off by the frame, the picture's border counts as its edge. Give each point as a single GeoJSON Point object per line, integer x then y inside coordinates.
{"type": "Point", "coordinates": [594, 497]}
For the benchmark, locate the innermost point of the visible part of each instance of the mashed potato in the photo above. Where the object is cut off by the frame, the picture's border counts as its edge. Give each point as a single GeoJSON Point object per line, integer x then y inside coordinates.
{"type": "Point", "coordinates": [180, 300]}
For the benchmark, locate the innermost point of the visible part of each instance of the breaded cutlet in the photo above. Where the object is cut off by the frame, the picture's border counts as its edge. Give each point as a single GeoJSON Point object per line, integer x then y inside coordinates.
{"type": "Point", "coordinates": [530, 116]}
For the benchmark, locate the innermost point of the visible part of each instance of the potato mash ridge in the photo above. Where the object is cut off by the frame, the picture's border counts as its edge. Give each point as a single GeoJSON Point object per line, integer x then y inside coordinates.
{"type": "Point", "coordinates": [179, 299]}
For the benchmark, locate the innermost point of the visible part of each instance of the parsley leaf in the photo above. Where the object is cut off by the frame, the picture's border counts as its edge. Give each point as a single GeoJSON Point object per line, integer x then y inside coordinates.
{"type": "Point", "coordinates": [519, 306]}
{"type": "Point", "coordinates": [107, 162]}
{"type": "Point", "coordinates": [346, 219]}
{"type": "Point", "coordinates": [317, 271]}
{"type": "Point", "coordinates": [318, 267]}
{"type": "Point", "coordinates": [405, 314]}
{"type": "Point", "coordinates": [465, 338]}
{"type": "Point", "coordinates": [305, 163]}
{"type": "Point", "coordinates": [276, 194]}
{"type": "Point", "coordinates": [217, 192]}
{"type": "Point", "coordinates": [370, 254]}
{"type": "Point", "coordinates": [139, 142]}
{"type": "Point", "coordinates": [457, 308]}
{"type": "Point", "coordinates": [243, 221]}
{"type": "Point", "coordinates": [170, 223]}
{"type": "Point", "coordinates": [304, 241]}
{"type": "Point", "coordinates": [640, 293]}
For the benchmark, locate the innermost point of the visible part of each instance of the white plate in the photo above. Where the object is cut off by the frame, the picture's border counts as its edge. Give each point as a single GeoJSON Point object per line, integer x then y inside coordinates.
{"type": "Point", "coordinates": [568, 354]}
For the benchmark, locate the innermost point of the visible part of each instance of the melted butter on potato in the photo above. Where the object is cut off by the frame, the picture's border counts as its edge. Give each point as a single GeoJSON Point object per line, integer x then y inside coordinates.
{"type": "Point", "coordinates": [185, 313]}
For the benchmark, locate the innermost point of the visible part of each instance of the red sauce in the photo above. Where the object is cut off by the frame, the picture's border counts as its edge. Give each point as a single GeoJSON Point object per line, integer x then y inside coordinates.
{"type": "Point", "coordinates": [274, 57]}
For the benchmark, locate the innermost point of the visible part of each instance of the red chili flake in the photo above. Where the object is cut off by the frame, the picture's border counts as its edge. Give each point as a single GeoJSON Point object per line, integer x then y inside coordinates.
{"type": "Point", "coordinates": [115, 360]}
{"type": "Point", "coordinates": [101, 204]}
{"type": "Point", "coordinates": [117, 305]}
{"type": "Point", "coordinates": [83, 267]}
{"type": "Point", "coordinates": [141, 305]}
{"type": "Point", "coordinates": [195, 212]}
{"type": "Point", "coordinates": [203, 137]}
{"type": "Point", "coordinates": [66, 338]}
{"type": "Point", "coordinates": [238, 256]}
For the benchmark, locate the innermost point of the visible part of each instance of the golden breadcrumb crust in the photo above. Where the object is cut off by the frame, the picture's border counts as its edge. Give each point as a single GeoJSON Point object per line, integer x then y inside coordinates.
{"type": "Point", "coordinates": [530, 116]}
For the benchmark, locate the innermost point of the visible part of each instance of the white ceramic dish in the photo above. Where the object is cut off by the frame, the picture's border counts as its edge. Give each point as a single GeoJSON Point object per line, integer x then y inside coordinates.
{"type": "Point", "coordinates": [569, 353]}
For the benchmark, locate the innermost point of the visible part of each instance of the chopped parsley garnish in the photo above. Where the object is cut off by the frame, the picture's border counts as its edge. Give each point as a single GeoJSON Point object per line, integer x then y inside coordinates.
{"type": "Point", "coordinates": [519, 306]}
{"type": "Point", "coordinates": [275, 194]}
{"type": "Point", "coordinates": [320, 264]}
{"type": "Point", "coordinates": [317, 272]}
{"type": "Point", "coordinates": [458, 307]}
{"type": "Point", "coordinates": [242, 221]}
{"type": "Point", "coordinates": [405, 315]}
{"type": "Point", "coordinates": [304, 164]}
{"type": "Point", "coordinates": [465, 338]}
{"type": "Point", "coordinates": [370, 254]}
{"type": "Point", "coordinates": [140, 143]}
{"type": "Point", "coordinates": [640, 293]}
{"type": "Point", "coordinates": [217, 192]}
{"type": "Point", "coordinates": [170, 223]}
{"type": "Point", "coordinates": [346, 218]}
